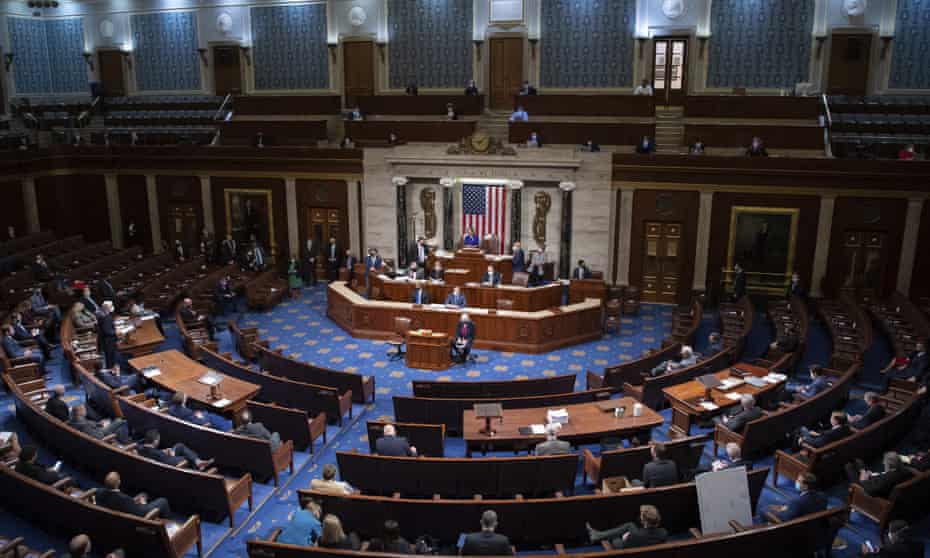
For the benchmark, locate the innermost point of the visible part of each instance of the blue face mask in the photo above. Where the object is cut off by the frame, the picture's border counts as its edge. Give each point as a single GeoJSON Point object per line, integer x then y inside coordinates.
{"type": "Point", "coordinates": [797, 486]}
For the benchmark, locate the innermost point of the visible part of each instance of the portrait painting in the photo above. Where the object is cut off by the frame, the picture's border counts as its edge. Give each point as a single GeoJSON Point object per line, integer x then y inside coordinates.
{"type": "Point", "coordinates": [763, 241]}
{"type": "Point", "coordinates": [249, 217]}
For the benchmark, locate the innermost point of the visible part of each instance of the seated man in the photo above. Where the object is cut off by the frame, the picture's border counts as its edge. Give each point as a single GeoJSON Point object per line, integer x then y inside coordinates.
{"type": "Point", "coordinates": [552, 445]}
{"type": "Point", "coordinates": [714, 345]}
{"type": "Point", "coordinates": [818, 384]}
{"type": "Point", "coordinates": [748, 412]}
{"type": "Point", "coordinates": [807, 502]}
{"type": "Point", "coordinates": [519, 115]}
{"type": "Point", "coordinates": [111, 497]}
{"type": "Point", "coordinates": [756, 149]}
{"type": "Point", "coordinates": [899, 543]}
{"type": "Point", "coordinates": [456, 298]}
{"type": "Point", "coordinates": [486, 542]}
{"type": "Point", "coordinates": [178, 409]}
{"type": "Point", "coordinates": [304, 528]}
{"type": "Point", "coordinates": [464, 336]}
{"type": "Point", "coordinates": [646, 146]}
{"type": "Point", "coordinates": [257, 430]}
{"type": "Point", "coordinates": [879, 485]}
{"type": "Point", "coordinates": [873, 414]}
{"type": "Point", "coordinates": [437, 273]}
{"type": "Point", "coordinates": [190, 317]}
{"type": "Point", "coordinates": [329, 484]}
{"type": "Point", "coordinates": [28, 465]}
{"type": "Point", "coordinates": [393, 445]}
{"type": "Point", "coordinates": [581, 271]}
{"type": "Point", "coordinates": [22, 333]}
{"type": "Point", "coordinates": [630, 535]}
{"type": "Point", "coordinates": [419, 294]}
{"type": "Point", "coordinates": [413, 272]}
{"type": "Point", "coordinates": [491, 278]}
{"type": "Point", "coordinates": [114, 379]}
{"type": "Point", "coordinates": [175, 456]}
{"type": "Point", "coordinates": [391, 541]}
{"type": "Point", "coordinates": [687, 358]}
{"type": "Point", "coordinates": [914, 368]}
{"type": "Point", "coordinates": [56, 405]}
{"type": "Point", "coordinates": [786, 342]}
{"type": "Point", "coordinates": [839, 429]}
{"type": "Point", "coordinates": [661, 471]}
{"type": "Point", "coordinates": [41, 307]}
{"type": "Point", "coordinates": [14, 350]}
{"type": "Point", "coordinates": [99, 429]}
{"type": "Point", "coordinates": [733, 459]}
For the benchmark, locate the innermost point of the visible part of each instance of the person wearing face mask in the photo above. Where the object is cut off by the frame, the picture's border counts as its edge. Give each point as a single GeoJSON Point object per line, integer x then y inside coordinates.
{"type": "Point", "coordinates": [899, 543]}
{"type": "Point", "coordinates": [533, 140]}
{"type": "Point", "coordinates": [646, 146]}
{"type": "Point", "coordinates": [756, 148]}
{"type": "Point", "coordinates": [839, 429]}
{"type": "Point", "coordinates": [807, 502]}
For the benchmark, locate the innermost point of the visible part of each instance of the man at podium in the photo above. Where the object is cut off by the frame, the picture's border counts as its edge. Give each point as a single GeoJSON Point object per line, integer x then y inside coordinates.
{"type": "Point", "coordinates": [470, 240]}
{"type": "Point", "coordinates": [463, 338]}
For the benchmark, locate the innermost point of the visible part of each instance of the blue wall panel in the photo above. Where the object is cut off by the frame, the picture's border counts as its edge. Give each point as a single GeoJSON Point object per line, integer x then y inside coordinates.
{"type": "Point", "coordinates": [67, 68]}
{"type": "Point", "coordinates": [164, 53]}
{"type": "Point", "coordinates": [910, 59]}
{"type": "Point", "coordinates": [430, 42]}
{"type": "Point", "coordinates": [289, 47]}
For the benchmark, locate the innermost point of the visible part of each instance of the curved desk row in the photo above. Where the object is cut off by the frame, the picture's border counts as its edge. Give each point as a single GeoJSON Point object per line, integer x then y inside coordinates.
{"type": "Point", "coordinates": [522, 332]}
{"type": "Point", "coordinates": [525, 299]}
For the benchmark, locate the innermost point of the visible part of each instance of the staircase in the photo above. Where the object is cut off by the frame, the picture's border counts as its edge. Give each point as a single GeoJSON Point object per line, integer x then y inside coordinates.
{"type": "Point", "coordinates": [670, 130]}
{"type": "Point", "coordinates": [494, 123]}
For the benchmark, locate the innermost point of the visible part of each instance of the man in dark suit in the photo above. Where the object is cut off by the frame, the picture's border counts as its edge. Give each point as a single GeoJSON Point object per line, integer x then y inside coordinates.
{"type": "Point", "coordinates": [28, 465]}
{"type": "Point", "coordinates": [420, 252]}
{"type": "Point", "coordinates": [190, 317]}
{"type": "Point", "coordinates": [527, 89]}
{"type": "Point", "coordinates": [229, 249]}
{"type": "Point", "coordinates": [391, 444]}
{"type": "Point", "coordinates": [463, 338]}
{"type": "Point", "coordinates": [486, 542]}
{"type": "Point", "coordinates": [21, 333]}
{"type": "Point", "coordinates": [332, 259]}
{"type": "Point", "coordinates": [899, 543]}
{"type": "Point", "coordinates": [630, 535]}
{"type": "Point", "coordinates": [223, 296]}
{"type": "Point", "coordinates": [786, 342]}
{"type": "Point", "coordinates": [373, 264]}
{"type": "Point", "coordinates": [739, 282]}
{"type": "Point", "coordinates": [414, 273]}
{"type": "Point", "coordinates": [491, 278]}
{"type": "Point", "coordinates": [175, 456]}
{"type": "Point", "coordinates": [581, 271]}
{"type": "Point", "coordinates": [419, 295]}
{"type": "Point", "coordinates": [41, 307]}
{"type": "Point", "coordinates": [106, 335]}
{"type": "Point", "coordinates": [839, 429]}
{"type": "Point", "coordinates": [747, 413]}
{"type": "Point", "coordinates": [646, 146]}
{"type": "Point", "coordinates": [873, 414]}
{"type": "Point", "coordinates": [733, 460]}
{"type": "Point", "coordinates": [13, 349]}
{"type": "Point", "coordinates": [114, 379]}
{"type": "Point", "coordinates": [98, 430]}
{"type": "Point", "coordinates": [879, 485]}
{"type": "Point", "coordinates": [661, 471]}
{"type": "Point", "coordinates": [105, 289]}
{"type": "Point", "coordinates": [437, 273]}
{"type": "Point", "coordinates": [41, 271]}
{"type": "Point", "coordinates": [112, 497]}
{"type": "Point", "coordinates": [808, 501]}
{"type": "Point", "coordinates": [179, 410]}
{"type": "Point", "coordinates": [915, 368]}
{"type": "Point", "coordinates": [518, 259]}
{"type": "Point", "coordinates": [456, 298]}
{"type": "Point", "coordinates": [257, 430]}
{"type": "Point", "coordinates": [87, 300]}
{"type": "Point", "coordinates": [756, 148]}
{"type": "Point", "coordinates": [56, 405]}
{"type": "Point", "coordinates": [794, 287]}
{"type": "Point", "coordinates": [818, 384]}
{"type": "Point", "coordinates": [349, 263]}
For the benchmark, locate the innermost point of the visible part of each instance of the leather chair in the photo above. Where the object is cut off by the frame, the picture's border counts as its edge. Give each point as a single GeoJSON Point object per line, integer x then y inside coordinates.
{"type": "Point", "coordinates": [612, 316]}
{"type": "Point", "coordinates": [343, 274]}
{"type": "Point", "coordinates": [521, 279]}
{"type": "Point", "coordinates": [597, 275]}
{"type": "Point", "coordinates": [631, 301]}
{"type": "Point", "coordinates": [491, 244]}
{"type": "Point", "coordinates": [398, 341]}
{"type": "Point", "coordinates": [504, 304]}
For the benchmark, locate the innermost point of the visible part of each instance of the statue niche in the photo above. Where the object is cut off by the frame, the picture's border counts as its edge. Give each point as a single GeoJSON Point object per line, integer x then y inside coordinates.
{"type": "Point", "coordinates": [543, 203]}
{"type": "Point", "coordinates": [428, 203]}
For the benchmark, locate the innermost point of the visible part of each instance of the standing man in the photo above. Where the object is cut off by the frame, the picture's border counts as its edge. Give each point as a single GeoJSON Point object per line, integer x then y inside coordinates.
{"type": "Point", "coordinates": [373, 265]}
{"type": "Point", "coordinates": [463, 339]}
{"type": "Point", "coordinates": [538, 265]}
{"type": "Point", "coordinates": [581, 271]}
{"type": "Point", "coordinates": [739, 282]}
{"type": "Point", "coordinates": [518, 258]}
{"type": "Point", "coordinates": [310, 253]}
{"type": "Point", "coordinates": [349, 263]}
{"type": "Point", "coordinates": [420, 252]}
{"type": "Point", "coordinates": [106, 334]}
{"type": "Point", "coordinates": [332, 259]}
{"type": "Point", "coordinates": [228, 250]}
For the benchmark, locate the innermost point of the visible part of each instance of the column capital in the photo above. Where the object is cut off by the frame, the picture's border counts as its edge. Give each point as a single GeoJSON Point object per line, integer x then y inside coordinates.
{"type": "Point", "coordinates": [515, 184]}
{"type": "Point", "coordinates": [400, 181]}
{"type": "Point", "coordinates": [288, 180]}
{"type": "Point", "coordinates": [567, 186]}
{"type": "Point", "coordinates": [445, 182]}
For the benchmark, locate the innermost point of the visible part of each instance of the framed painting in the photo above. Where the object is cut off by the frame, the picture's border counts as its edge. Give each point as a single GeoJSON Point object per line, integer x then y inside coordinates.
{"type": "Point", "coordinates": [763, 240]}
{"type": "Point", "coordinates": [249, 217]}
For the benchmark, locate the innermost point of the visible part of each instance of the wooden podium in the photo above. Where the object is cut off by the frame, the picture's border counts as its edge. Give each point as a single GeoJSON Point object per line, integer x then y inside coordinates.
{"type": "Point", "coordinates": [428, 350]}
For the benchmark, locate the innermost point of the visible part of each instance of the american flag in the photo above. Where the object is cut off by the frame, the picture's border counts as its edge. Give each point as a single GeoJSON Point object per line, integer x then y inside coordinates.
{"type": "Point", "coordinates": [484, 209]}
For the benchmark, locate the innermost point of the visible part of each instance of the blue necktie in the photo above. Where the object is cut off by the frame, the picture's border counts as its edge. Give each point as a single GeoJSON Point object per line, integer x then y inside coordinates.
{"type": "Point", "coordinates": [419, 294]}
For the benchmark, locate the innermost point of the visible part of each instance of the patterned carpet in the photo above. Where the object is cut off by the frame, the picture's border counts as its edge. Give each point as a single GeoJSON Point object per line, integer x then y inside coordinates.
{"type": "Point", "coordinates": [301, 328]}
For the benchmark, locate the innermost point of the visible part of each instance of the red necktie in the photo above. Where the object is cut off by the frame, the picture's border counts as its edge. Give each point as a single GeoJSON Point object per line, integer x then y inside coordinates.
{"type": "Point", "coordinates": [463, 330]}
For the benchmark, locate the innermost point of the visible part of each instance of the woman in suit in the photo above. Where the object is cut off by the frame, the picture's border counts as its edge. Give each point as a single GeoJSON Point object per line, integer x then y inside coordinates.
{"type": "Point", "coordinates": [471, 240]}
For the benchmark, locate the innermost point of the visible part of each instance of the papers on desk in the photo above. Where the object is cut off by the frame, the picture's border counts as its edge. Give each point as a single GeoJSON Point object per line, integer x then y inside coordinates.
{"type": "Point", "coordinates": [730, 383]}
{"type": "Point", "coordinates": [210, 379]}
{"type": "Point", "coordinates": [147, 317]}
{"type": "Point", "coordinates": [5, 437]}
{"type": "Point", "coordinates": [557, 416]}
{"type": "Point", "coordinates": [733, 396]}
{"type": "Point", "coordinates": [708, 406]}
{"type": "Point", "coordinates": [774, 378]}
{"type": "Point", "coordinates": [221, 403]}
{"type": "Point", "coordinates": [151, 371]}
{"type": "Point", "coordinates": [123, 330]}
{"type": "Point", "coordinates": [534, 429]}
{"type": "Point", "coordinates": [757, 382]}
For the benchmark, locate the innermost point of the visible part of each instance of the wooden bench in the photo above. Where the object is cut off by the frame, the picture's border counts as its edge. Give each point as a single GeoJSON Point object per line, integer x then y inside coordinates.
{"type": "Point", "coordinates": [907, 501]}
{"type": "Point", "coordinates": [586, 105]}
{"type": "Point", "coordinates": [577, 133]}
{"type": "Point", "coordinates": [434, 105]}
{"type": "Point", "coordinates": [453, 477]}
{"type": "Point", "coordinates": [448, 411]}
{"type": "Point", "coordinates": [276, 362]}
{"type": "Point", "coordinates": [495, 388]}
{"type": "Point", "coordinates": [429, 439]}
{"type": "Point", "coordinates": [629, 462]}
{"type": "Point", "coordinates": [243, 338]}
{"type": "Point", "coordinates": [311, 398]}
{"type": "Point", "coordinates": [650, 392]}
{"type": "Point", "coordinates": [266, 291]}
{"type": "Point", "coordinates": [292, 424]}
{"type": "Point", "coordinates": [450, 131]}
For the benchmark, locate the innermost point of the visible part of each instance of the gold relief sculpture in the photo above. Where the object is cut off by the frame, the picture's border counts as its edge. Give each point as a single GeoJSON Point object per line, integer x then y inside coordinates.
{"type": "Point", "coordinates": [543, 203]}
{"type": "Point", "coordinates": [428, 203]}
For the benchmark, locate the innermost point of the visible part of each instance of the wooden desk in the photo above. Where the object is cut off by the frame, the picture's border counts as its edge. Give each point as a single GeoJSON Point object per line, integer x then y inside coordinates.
{"type": "Point", "coordinates": [686, 398]}
{"type": "Point", "coordinates": [751, 106]}
{"type": "Point", "coordinates": [428, 351]}
{"type": "Point", "coordinates": [179, 373]}
{"type": "Point", "coordinates": [504, 330]}
{"type": "Point", "coordinates": [587, 423]}
{"type": "Point", "coordinates": [419, 104]}
{"type": "Point", "coordinates": [274, 132]}
{"type": "Point", "coordinates": [576, 133]}
{"type": "Point", "coordinates": [475, 263]}
{"type": "Point", "coordinates": [586, 105]}
{"type": "Point", "coordinates": [580, 289]}
{"type": "Point", "coordinates": [525, 299]}
{"type": "Point", "coordinates": [411, 130]}
{"type": "Point", "coordinates": [143, 341]}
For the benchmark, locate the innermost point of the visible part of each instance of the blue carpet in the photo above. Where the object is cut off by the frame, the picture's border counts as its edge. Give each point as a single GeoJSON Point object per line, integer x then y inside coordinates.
{"type": "Point", "coordinates": [301, 328]}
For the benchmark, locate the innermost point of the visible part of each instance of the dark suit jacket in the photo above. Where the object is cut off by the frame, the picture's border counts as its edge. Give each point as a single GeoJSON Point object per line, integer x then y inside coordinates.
{"type": "Point", "coordinates": [660, 472]}
{"type": "Point", "coordinates": [469, 331]}
{"type": "Point", "coordinates": [493, 278]}
{"type": "Point", "coordinates": [38, 472]}
{"type": "Point", "coordinates": [917, 365]}
{"type": "Point", "coordinates": [519, 261]}
{"type": "Point", "coordinates": [642, 536]}
{"type": "Point", "coordinates": [41, 272]}
{"type": "Point", "coordinates": [424, 296]}
{"type": "Point", "coordinates": [456, 300]}
{"type": "Point", "coordinates": [584, 273]}
{"type": "Point", "coordinates": [880, 486]}
{"type": "Point", "coordinates": [156, 454]}
{"type": "Point", "coordinates": [486, 543]}
{"type": "Point", "coordinates": [795, 290]}
{"type": "Point", "coordinates": [105, 327]}
{"type": "Point", "coordinates": [116, 500]}
{"type": "Point", "coordinates": [787, 343]}
{"type": "Point", "coordinates": [188, 315]}
{"type": "Point", "coordinates": [740, 419]}
{"type": "Point", "coordinates": [105, 290]}
{"type": "Point", "coordinates": [806, 503]}
{"type": "Point", "coordinates": [57, 408]}
{"type": "Point", "coordinates": [873, 415]}
{"type": "Point", "coordinates": [89, 304]}
{"type": "Point", "coordinates": [11, 347]}
{"type": "Point", "coordinates": [828, 436]}
{"type": "Point", "coordinates": [415, 254]}
{"type": "Point", "coordinates": [372, 263]}
{"type": "Point", "coordinates": [328, 253]}
{"type": "Point", "coordinates": [396, 446]}
{"type": "Point", "coordinates": [739, 285]}
{"type": "Point", "coordinates": [437, 274]}
{"type": "Point", "coordinates": [183, 413]}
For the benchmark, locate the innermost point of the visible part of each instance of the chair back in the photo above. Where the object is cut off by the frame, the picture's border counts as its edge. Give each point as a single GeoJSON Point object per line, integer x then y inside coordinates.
{"type": "Point", "coordinates": [613, 308]}
{"type": "Point", "coordinates": [521, 279]}
{"type": "Point", "coordinates": [401, 325]}
{"type": "Point", "coordinates": [491, 244]}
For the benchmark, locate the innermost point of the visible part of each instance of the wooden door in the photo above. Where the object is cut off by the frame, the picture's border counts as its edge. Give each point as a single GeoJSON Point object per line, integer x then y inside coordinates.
{"type": "Point", "coordinates": [506, 71]}
{"type": "Point", "coordinates": [661, 274]}
{"type": "Point", "coordinates": [323, 223]}
{"type": "Point", "coordinates": [849, 64]}
{"type": "Point", "coordinates": [670, 70]}
{"type": "Point", "coordinates": [866, 256]}
{"type": "Point", "coordinates": [183, 226]}
{"type": "Point", "coordinates": [227, 71]}
{"type": "Point", "coordinates": [359, 70]}
{"type": "Point", "coordinates": [112, 78]}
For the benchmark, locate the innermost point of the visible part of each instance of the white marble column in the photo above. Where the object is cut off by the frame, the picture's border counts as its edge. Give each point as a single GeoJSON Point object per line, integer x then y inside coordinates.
{"type": "Point", "coordinates": [206, 199]}
{"type": "Point", "coordinates": [114, 210]}
{"type": "Point", "coordinates": [703, 242]}
{"type": "Point", "coordinates": [31, 205]}
{"type": "Point", "coordinates": [822, 250]}
{"type": "Point", "coordinates": [151, 191]}
{"type": "Point", "coordinates": [293, 226]}
{"type": "Point", "coordinates": [355, 215]}
{"type": "Point", "coordinates": [626, 235]}
{"type": "Point", "coordinates": [909, 245]}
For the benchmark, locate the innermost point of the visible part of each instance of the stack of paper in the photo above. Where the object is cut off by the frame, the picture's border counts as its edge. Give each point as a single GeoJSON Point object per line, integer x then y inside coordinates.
{"type": "Point", "coordinates": [734, 396]}
{"type": "Point", "coordinates": [708, 406]}
{"type": "Point", "coordinates": [221, 403]}
{"type": "Point", "coordinates": [730, 383]}
{"type": "Point", "coordinates": [537, 429]}
{"type": "Point", "coordinates": [151, 372]}
{"type": "Point", "coordinates": [557, 416]}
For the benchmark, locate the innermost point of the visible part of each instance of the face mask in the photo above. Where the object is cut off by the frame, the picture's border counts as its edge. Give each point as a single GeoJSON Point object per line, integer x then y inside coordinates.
{"type": "Point", "coordinates": [797, 486]}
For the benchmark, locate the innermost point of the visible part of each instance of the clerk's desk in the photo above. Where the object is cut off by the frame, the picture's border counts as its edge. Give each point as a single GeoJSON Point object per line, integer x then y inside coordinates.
{"type": "Point", "coordinates": [503, 330]}
{"type": "Point", "coordinates": [473, 262]}
{"type": "Point", "coordinates": [525, 299]}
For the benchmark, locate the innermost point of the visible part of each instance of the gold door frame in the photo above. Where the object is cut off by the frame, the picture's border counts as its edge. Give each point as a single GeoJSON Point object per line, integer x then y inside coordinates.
{"type": "Point", "coordinates": [793, 212]}
{"type": "Point", "coordinates": [268, 200]}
